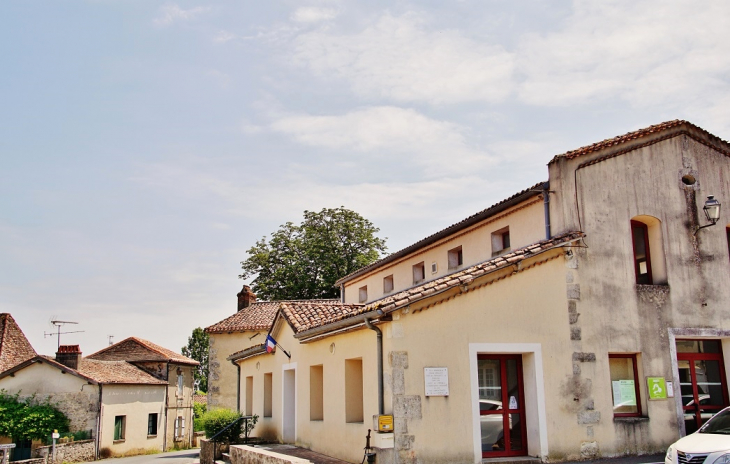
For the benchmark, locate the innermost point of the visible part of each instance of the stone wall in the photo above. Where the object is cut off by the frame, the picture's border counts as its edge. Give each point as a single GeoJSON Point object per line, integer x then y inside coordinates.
{"type": "Point", "coordinates": [241, 454]}
{"type": "Point", "coordinates": [207, 455]}
{"type": "Point", "coordinates": [81, 408]}
{"type": "Point", "coordinates": [77, 451]}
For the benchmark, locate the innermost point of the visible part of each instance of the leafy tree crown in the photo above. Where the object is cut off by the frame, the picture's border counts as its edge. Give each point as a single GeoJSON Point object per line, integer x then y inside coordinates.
{"type": "Point", "coordinates": [304, 261]}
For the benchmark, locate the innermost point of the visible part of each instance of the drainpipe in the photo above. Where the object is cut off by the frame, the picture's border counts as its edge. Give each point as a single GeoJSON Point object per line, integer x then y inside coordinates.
{"type": "Point", "coordinates": [99, 424]}
{"type": "Point", "coordinates": [381, 402]}
{"type": "Point", "coordinates": [238, 386]}
{"type": "Point", "coordinates": [167, 406]}
{"type": "Point", "coordinates": [546, 203]}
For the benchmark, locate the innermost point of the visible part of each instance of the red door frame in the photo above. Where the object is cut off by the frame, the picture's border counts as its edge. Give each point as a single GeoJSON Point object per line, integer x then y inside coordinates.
{"type": "Point", "coordinates": [692, 357]}
{"type": "Point", "coordinates": [506, 411]}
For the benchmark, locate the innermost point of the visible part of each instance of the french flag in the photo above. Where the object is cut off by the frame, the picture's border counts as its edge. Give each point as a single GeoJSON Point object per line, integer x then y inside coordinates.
{"type": "Point", "coordinates": [270, 344]}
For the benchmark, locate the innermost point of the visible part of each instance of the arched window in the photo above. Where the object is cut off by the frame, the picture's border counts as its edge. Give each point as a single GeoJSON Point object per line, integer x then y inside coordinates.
{"type": "Point", "coordinates": [648, 248]}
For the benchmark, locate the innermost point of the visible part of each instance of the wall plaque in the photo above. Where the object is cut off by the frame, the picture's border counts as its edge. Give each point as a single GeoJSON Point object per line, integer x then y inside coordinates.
{"type": "Point", "coordinates": [436, 381]}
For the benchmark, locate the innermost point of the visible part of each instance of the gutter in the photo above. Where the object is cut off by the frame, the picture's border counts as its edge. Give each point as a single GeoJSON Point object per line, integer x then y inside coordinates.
{"type": "Point", "coordinates": [99, 422]}
{"type": "Point", "coordinates": [381, 401]}
{"type": "Point", "coordinates": [238, 385]}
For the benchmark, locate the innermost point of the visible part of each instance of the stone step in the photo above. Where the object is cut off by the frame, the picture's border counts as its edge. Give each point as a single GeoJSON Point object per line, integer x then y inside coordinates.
{"type": "Point", "coordinates": [512, 460]}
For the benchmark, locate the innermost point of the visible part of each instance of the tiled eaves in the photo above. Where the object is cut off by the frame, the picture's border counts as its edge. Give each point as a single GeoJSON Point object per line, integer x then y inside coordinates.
{"type": "Point", "coordinates": [467, 275]}
{"type": "Point", "coordinates": [673, 126]}
{"type": "Point", "coordinates": [303, 316]}
{"type": "Point", "coordinates": [497, 208]}
{"type": "Point", "coordinates": [247, 353]}
{"type": "Point", "coordinates": [464, 277]}
{"type": "Point", "coordinates": [258, 316]}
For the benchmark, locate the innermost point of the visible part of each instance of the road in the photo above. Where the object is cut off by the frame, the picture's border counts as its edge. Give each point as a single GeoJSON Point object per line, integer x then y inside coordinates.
{"type": "Point", "coordinates": [173, 457]}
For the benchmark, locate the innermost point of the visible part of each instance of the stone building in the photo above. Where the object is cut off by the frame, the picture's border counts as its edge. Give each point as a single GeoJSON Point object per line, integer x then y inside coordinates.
{"type": "Point", "coordinates": [585, 316]}
{"type": "Point", "coordinates": [172, 368]}
{"type": "Point", "coordinates": [131, 396]}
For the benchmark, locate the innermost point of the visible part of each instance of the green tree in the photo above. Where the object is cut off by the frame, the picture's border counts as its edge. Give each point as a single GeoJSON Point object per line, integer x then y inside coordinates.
{"type": "Point", "coordinates": [304, 261]}
{"type": "Point", "coordinates": [197, 349]}
{"type": "Point", "coordinates": [28, 418]}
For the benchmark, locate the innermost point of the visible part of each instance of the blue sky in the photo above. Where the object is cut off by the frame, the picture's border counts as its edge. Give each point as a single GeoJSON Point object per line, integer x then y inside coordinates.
{"type": "Point", "coordinates": [145, 146]}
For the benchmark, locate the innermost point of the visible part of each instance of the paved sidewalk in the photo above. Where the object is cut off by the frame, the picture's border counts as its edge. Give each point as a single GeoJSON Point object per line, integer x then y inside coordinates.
{"type": "Point", "coordinates": [645, 459]}
{"type": "Point", "coordinates": [171, 457]}
{"type": "Point", "coordinates": [303, 453]}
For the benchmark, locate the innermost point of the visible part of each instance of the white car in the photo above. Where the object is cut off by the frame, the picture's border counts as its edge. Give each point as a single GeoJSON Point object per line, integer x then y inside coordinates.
{"type": "Point", "coordinates": [709, 445]}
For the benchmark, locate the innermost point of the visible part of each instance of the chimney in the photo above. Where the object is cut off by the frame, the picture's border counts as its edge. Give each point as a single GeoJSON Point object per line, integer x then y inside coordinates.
{"type": "Point", "coordinates": [245, 297]}
{"type": "Point", "coordinates": [69, 356]}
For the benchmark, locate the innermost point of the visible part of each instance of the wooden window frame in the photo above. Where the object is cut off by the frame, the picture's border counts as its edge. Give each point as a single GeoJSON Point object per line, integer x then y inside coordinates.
{"type": "Point", "coordinates": [634, 359]}
{"type": "Point", "coordinates": [645, 229]}
{"type": "Point", "coordinates": [152, 424]}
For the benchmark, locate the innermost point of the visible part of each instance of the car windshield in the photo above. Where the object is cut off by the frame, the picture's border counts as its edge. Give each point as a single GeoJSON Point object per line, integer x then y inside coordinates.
{"type": "Point", "coordinates": [720, 424]}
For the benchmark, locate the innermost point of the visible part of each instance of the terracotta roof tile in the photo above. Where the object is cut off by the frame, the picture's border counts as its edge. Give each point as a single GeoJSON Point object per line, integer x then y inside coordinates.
{"type": "Point", "coordinates": [305, 315]}
{"type": "Point", "coordinates": [14, 346]}
{"type": "Point", "coordinates": [258, 316]}
{"type": "Point", "coordinates": [631, 136]}
{"type": "Point", "coordinates": [452, 229]}
{"type": "Point", "coordinates": [116, 372]}
{"type": "Point", "coordinates": [136, 349]}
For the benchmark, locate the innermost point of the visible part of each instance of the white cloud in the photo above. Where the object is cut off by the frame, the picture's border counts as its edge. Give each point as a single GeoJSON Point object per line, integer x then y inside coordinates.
{"type": "Point", "coordinates": [648, 53]}
{"type": "Point", "coordinates": [224, 36]}
{"type": "Point", "coordinates": [313, 14]}
{"type": "Point", "coordinates": [403, 137]}
{"type": "Point", "coordinates": [170, 13]}
{"type": "Point", "coordinates": [399, 58]}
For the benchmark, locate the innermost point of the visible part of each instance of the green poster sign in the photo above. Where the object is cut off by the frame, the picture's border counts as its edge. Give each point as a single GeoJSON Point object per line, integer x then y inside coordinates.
{"type": "Point", "coordinates": [657, 388]}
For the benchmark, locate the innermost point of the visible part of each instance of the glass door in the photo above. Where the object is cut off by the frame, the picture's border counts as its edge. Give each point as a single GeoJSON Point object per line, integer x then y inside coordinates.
{"type": "Point", "coordinates": [501, 405]}
{"type": "Point", "coordinates": [701, 380]}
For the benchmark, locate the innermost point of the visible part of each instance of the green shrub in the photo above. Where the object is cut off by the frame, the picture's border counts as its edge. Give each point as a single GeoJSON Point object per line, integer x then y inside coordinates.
{"type": "Point", "coordinates": [216, 420]}
{"type": "Point", "coordinates": [29, 418]}
{"type": "Point", "coordinates": [199, 409]}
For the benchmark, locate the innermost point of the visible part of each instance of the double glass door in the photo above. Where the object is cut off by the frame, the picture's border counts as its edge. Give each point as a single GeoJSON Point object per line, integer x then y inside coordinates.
{"type": "Point", "coordinates": [701, 380]}
{"type": "Point", "coordinates": [502, 405]}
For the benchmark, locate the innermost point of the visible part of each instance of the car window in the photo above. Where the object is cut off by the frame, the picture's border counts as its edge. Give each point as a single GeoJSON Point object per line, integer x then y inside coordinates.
{"type": "Point", "coordinates": [719, 424]}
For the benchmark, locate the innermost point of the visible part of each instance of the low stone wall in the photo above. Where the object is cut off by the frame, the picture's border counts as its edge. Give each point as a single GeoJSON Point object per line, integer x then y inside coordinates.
{"type": "Point", "coordinates": [207, 454]}
{"type": "Point", "coordinates": [31, 461]}
{"type": "Point", "coordinates": [76, 451]}
{"type": "Point", "coordinates": [242, 454]}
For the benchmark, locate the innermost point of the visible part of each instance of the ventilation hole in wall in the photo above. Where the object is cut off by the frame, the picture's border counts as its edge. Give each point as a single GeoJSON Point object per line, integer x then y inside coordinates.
{"type": "Point", "coordinates": [688, 179]}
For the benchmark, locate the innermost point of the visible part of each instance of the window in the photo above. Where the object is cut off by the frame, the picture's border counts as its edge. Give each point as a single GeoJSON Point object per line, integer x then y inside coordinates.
{"type": "Point", "coordinates": [180, 384]}
{"type": "Point", "coordinates": [249, 396]}
{"type": "Point", "coordinates": [179, 428]}
{"type": "Point", "coordinates": [388, 284]}
{"type": "Point", "coordinates": [419, 273]}
{"type": "Point", "coordinates": [648, 251]}
{"type": "Point", "coordinates": [268, 381]}
{"type": "Point", "coordinates": [120, 423]}
{"type": "Point", "coordinates": [152, 425]}
{"type": "Point", "coordinates": [500, 241]}
{"type": "Point", "coordinates": [363, 296]}
{"type": "Point", "coordinates": [316, 393]}
{"type": "Point", "coordinates": [624, 385]}
{"type": "Point", "coordinates": [353, 390]}
{"type": "Point", "coordinates": [456, 258]}
{"type": "Point", "coordinates": [642, 258]}
{"type": "Point", "coordinates": [727, 232]}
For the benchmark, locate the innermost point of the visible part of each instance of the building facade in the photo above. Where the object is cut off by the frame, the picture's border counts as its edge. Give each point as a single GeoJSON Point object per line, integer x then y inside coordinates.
{"type": "Point", "coordinates": [585, 316]}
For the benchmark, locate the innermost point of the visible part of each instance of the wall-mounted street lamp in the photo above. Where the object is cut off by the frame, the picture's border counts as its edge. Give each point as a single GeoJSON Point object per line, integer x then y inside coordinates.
{"type": "Point", "coordinates": [712, 212]}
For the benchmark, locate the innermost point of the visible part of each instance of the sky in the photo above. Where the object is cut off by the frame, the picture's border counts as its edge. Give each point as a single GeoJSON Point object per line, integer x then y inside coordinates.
{"type": "Point", "coordinates": [145, 145]}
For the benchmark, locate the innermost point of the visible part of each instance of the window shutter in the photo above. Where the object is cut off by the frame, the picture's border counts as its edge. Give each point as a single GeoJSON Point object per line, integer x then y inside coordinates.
{"type": "Point", "coordinates": [182, 427]}
{"type": "Point", "coordinates": [175, 427]}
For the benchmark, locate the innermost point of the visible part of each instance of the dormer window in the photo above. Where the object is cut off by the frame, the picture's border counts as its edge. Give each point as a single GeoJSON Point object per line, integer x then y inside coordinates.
{"type": "Point", "coordinates": [363, 294]}
{"type": "Point", "coordinates": [500, 241]}
{"type": "Point", "coordinates": [456, 258]}
{"type": "Point", "coordinates": [419, 273]}
{"type": "Point", "coordinates": [388, 284]}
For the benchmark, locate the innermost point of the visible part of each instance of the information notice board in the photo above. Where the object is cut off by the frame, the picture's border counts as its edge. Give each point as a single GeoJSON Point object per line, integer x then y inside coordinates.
{"type": "Point", "coordinates": [436, 381]}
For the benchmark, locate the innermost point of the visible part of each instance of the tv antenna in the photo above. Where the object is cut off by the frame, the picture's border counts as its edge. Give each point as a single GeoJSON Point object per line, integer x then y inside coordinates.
{"type": "Point", "coordinates": [58, 333]}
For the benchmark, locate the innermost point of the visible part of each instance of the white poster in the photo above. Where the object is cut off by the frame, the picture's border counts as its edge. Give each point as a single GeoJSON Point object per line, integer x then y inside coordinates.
{"type": "Point", "coordinates": [436, 381]}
